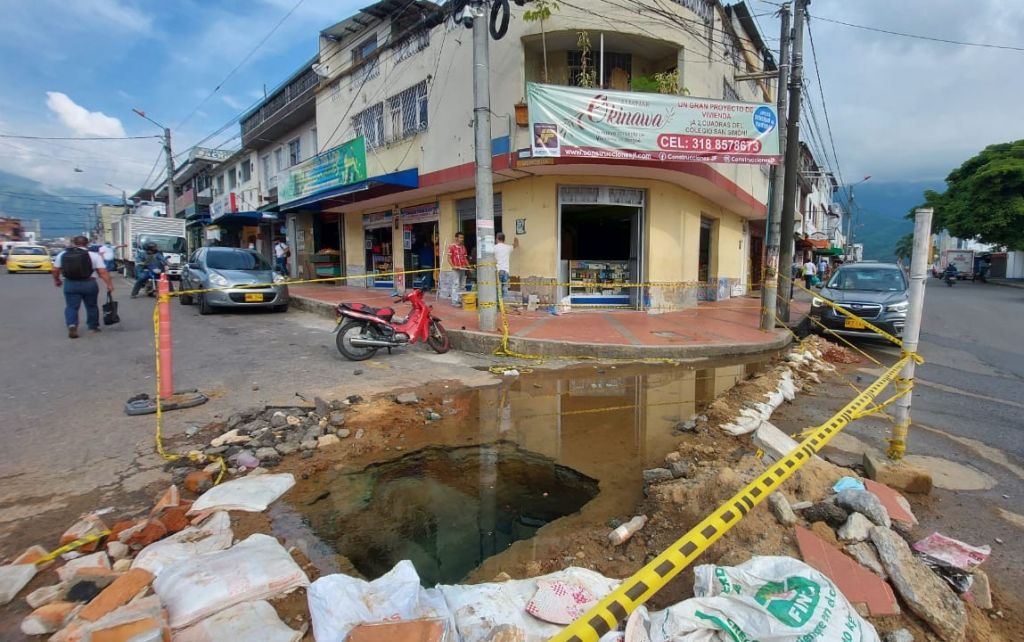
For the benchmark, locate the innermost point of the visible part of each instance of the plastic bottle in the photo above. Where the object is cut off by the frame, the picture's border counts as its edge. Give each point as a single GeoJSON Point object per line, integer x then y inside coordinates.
{"type": "Point", "coordinates": [624, 532]}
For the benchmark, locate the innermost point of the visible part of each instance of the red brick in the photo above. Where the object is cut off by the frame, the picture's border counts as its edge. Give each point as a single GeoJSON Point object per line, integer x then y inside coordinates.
{"type": "Point", "coordinates": [125, 632]}
{"type": "Point", "coordinates": [120, 527]}
{"type": "Point", "coordinates": [169, 499]}
{"type": "Point", "coordinates": [88, 525]}
{"type": "Point", "coordinates": [888, 497]}
{"type": "Point", "coordinates": [48, 618]}
{"type": "Point", "coordinates": [856, 583]}
{"type": "Point", "coordinates": [117, 594]}
{"type": "Point", "coordinates": [151, 532]}
{"type": "Point", "coordinates": [174, 519]}
{"type": "Point", "coordinates": [198, 481]}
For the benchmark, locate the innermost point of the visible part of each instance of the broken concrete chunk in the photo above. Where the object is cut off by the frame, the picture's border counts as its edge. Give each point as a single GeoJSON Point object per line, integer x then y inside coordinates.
{"type": "Point", "coordinates": [655, 475]}
{"type": "Point", "coordinates": [31, 555]}
{"type": "Point", "coordinates": [780, 507]}
{"type": "Point", "coordinates": [407, 398]}
{"type": "Point", "coordinates": [866, 503]}
{"type": "Point", "coordinates": [856, 529]}
{"type": "Point", "coordinates": [88, 525]}
{"type": "Point", "coordinates": [865, 554]}
{"type": "Point", "coordinates": [926, 595]}
{"type": "Point", "coordinates": [775, 443]}
{"type": "Point", "coordinates": [328, 441]}
{"type": "Point", "coordinates": [117, 551]}
{"type": "Point", "coordinates": [901, 475]}
{"type": "Point", "coordinates": [49, 618]}
{"type": "Point", "coordinates": [827, 512]}
{"type": "Point", "coordinates": [980, 591]}
{"type": "Point", "coordinates": [46, 594]}
{"type": "Point", "coordinates": [13, 578]}
{"type": "Point", "coordinates": [899, 635]}
{"type": "Point", "coordinates": [96, 560]}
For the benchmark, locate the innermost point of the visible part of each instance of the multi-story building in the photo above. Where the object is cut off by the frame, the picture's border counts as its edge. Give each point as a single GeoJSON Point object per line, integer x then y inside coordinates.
{"type": "Point", "coordinates": [397, 79]}
{"type": "Point", "coordinates": [818, 220]}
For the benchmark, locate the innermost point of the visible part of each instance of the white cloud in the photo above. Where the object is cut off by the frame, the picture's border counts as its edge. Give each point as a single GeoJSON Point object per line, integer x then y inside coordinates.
{"type": "Point", "coordinates": [80, 120]}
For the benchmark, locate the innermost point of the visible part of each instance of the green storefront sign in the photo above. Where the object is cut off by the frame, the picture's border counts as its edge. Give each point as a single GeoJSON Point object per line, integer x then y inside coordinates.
{"type": "Point", "coordinates": [622, 125]}
{"type": "Point", "coordinates": [337, 167]}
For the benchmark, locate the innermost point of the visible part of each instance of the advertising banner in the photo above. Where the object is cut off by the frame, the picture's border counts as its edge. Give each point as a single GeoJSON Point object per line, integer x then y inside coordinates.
{"type": "Point", "coordinates": [337, 167]}
{"type": "Point", "coordinates": [599, 123]}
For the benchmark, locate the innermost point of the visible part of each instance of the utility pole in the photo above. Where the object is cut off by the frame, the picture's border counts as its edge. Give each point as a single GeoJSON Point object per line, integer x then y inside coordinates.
{"type": "Point", "coordinates": [486, 273]}
{"type": "Point", "coordinates": [849, 218]}
{"type": "Point", "coordinates": [769, 289]}
{"type": "Point", "coordinates": [792, 156]}
{"type": "Point", "coordinates": [912, 329]}
{"type": "Point", "coordinates": [170, 172]}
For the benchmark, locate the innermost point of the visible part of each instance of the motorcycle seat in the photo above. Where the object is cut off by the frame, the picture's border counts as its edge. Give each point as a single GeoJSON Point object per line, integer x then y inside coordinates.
{"type": "Point", "coordinates": [383, 313]}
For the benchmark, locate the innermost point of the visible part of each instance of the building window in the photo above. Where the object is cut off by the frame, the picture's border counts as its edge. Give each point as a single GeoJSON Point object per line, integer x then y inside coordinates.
{"type": "Point", "coordinates": [412, 46]}
{"type": "Point", "coordinates": [703, 8]}
{"type": "Point", "coordinates": [265, 166]}
{"type": "Point", "coordinates": [279, 159]}
{"type": "Point", "coordinates": [408, 111]}
{"type": "Point", "coordinates": [618, 68]}
{"type": "Point", "coordinates": [220, 184]}
{"type": "Point", "coordinates": [315, 144]}
{"type": "Point", "coordinates": [729, 92]}
{"type": "Point", "coordinates": [246, 171]}
{"type": "Point", "coordinates": [232, 179]}
{"type": "Point", "coordinates": [369, 123]}
{"type": "Point", "coordinates": [294, 151]}
{"type": "Point", "coordinates": [367, 67]}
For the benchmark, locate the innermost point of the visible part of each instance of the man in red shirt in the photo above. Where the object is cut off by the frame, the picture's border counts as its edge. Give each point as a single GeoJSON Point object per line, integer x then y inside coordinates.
{"type": "Point", "coordinates": [459, 261]}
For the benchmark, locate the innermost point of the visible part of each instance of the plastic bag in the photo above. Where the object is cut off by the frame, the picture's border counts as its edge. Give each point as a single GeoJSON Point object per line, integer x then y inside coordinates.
{"type": "Point", "coordinates": [769, 599]}
{"type": "Point", "coordinates": [338, 603]}
{"type": "Point", "coordinates": [13, 578]}
{"type": "Point", "coordinates": [199, 586]}
{"type": "Point", "coordinates": [246, 621]}
{"type": "Point", "coordinates": [252, 493]}
{"type": "Point", "coordinates": [953, 552]}
{"type": "Point", "coordinates": [212, 535]}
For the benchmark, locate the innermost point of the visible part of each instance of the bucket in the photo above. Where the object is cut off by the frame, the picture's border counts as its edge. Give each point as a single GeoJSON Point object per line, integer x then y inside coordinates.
{"type": "Point", "coordinates": [469, 301]}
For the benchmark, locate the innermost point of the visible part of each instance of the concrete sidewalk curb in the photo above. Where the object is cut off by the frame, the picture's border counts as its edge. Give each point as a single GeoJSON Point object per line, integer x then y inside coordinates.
{"type": "Point", "coordinates": [483, 343]}
{"type": "Point", "coordinates": [1008, 283]}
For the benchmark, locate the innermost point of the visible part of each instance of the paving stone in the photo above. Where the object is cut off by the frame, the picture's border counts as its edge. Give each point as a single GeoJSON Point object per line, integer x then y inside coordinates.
{"type": "Point", "coordinates": [928, 597]}
{"type": "Point", "coordinates": [895, 504]}
{"type": "Point", "coordinates": [856, 583]}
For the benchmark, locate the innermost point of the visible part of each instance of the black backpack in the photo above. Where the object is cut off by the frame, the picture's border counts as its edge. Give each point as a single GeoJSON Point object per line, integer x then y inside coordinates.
{"type": "Point", "coordinates": [76, 264]}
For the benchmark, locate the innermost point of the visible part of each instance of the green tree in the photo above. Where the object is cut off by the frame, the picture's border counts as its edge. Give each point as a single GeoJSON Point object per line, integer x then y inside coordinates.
{"type": "Point", "coordinates": [984, 197]}
{"type": "Point", "coordinates": [905, 246]}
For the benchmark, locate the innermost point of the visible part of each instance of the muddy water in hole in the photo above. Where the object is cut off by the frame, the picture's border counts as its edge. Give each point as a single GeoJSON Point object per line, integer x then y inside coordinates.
{"type": "Point", "coordinates": [551, 452]}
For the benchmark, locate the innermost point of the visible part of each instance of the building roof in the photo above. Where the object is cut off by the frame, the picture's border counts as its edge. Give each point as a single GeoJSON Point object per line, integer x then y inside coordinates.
{"type": "Point", "coordinates": [377, 11]}
{"type": "Point", "coordinates": [749, 24]}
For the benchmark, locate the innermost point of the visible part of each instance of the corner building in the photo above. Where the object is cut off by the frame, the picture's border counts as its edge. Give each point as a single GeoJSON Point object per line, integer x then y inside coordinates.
{"type": "Point", "coordinates": [399, 75]}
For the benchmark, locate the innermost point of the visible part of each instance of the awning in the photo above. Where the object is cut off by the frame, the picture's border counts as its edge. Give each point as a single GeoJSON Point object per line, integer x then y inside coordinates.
{"type": "Point", "coordinates": [370, 188]}
{"type": "Point", "coordinates": [829, 251]}
{"type": "Point", "coordinates": [198, 219]}
{"type": "Point", "coordinates": [245, 218]}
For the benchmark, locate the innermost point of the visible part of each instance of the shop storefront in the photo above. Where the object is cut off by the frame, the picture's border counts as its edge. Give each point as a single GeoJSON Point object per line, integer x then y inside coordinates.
{"type": "Point", "coordinates": [379, 250]}
{"type": "Point", "coordinates": [421, 244]}
{"type": "Point", "coordinates": [465, 210]}
{"type": "Point", "coordinates": [601, 245]}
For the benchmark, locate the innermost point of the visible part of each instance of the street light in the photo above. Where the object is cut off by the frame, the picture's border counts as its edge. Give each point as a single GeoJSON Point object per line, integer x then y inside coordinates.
{"type": "Point", "coordinates": [849, 215]}
{"type": "Point", "coordinates": [170, 162]}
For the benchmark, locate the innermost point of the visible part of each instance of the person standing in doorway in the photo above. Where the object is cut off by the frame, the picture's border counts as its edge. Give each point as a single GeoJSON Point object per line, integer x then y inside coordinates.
{"type": "Point", "coordinates": [281, 254]}
{"type": "Point", "coordinates": [809, 271]}
{"type": "Point", "coordinates": [79, 266]}
{"type": "Point", "coordinates": [822, 268]}
{"type": "Point", "coordinates": [502, 259]}
{"type": "Point", "coordinates": [459, 261]}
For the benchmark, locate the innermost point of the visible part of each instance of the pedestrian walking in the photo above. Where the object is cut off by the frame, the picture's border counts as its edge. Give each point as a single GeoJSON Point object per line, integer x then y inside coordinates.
{"type": "Point", "coordinates": [281, 254]}
{"type": "Point", "coordinates": [459, 261]}
{"type": "Point", "coordinates": [809, 271]}
{"type": "Point", "coordinates": [79, 267]}
{"type": "Point", "coordinates": [822, 267]}
{"type": "Point", "coordinates": [502, 259]}
{"type": "Point", "coordinates": [106, 252]}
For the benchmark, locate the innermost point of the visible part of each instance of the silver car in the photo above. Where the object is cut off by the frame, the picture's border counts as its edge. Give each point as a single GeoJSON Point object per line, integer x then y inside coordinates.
{"type": "Point", "coordinates": [237, 278]}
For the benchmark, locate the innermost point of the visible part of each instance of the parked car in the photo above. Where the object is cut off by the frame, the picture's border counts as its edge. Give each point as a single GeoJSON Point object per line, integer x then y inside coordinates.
{"type": "Point", "coordinates": [28, 258]}
{"type": "Point", "coordinates": [875, 292]}
{"type": "Point", "coordinates": [227, 270]}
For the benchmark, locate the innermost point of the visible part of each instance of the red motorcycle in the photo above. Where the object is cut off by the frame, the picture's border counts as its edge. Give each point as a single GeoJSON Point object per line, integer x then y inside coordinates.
{"type": "Point", "coordinates": [362, 330]}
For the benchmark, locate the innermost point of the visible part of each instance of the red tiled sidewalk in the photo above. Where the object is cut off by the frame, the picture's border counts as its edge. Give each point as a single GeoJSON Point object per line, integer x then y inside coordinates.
{"type": "Point", "coordinates": [720, 328]}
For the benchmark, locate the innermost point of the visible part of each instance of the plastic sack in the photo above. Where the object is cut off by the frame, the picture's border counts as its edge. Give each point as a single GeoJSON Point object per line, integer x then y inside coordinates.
{"type": "Point", "coordinates": [480, 610]}
{"type": "Point", "coordinates": [769, 599]}
{"type": "Point", "coordinates": [254, 569]}
{"type": "Point", "coordinates": [212, 535]}
{"type": "Point", "coordinates": [246, 621]}
{"type": "Point", "coordinates": [252, 493]}
{"type": "Point", "coordinates": [338, 603]}
{"type": "Point", "coordinates": [13, 578]}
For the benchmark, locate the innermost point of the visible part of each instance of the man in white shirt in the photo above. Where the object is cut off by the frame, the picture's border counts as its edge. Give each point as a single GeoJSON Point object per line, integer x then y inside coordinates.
{"type": "Point", "coordinates": [281, 254]}
{"type": "Point", "coordinates": [78, 266]}
{"type": "Point", "coordinates": [106, 252]}
{"type": "Point", "coordinates": [809, 271]}
{"type": "Point", "coordinates": [502, 258]}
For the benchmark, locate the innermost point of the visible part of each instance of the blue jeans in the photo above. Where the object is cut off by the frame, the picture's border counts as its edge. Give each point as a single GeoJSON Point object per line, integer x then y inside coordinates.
{"type": "Point", "coordinates": [503, 280]}
{"type": "Point", "coordinates": [76, 293]}
{"type": "Point", "coordinates": [282, 265]}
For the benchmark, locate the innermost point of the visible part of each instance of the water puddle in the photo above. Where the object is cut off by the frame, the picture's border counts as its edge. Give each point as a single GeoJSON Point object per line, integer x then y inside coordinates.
{"type": "Point", "coordinates": [509, 471]}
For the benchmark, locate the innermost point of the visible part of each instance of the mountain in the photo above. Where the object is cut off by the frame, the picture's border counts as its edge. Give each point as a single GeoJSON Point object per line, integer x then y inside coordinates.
{"type": "Point", "coordinates": [881, 209]}
{"type": "Point", "coordinates": [60, 212]}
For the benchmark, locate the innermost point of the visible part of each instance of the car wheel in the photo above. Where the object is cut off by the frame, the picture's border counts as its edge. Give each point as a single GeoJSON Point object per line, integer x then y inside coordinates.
{"type": "Point", "coordinates": [204, 305]}
{"type": "Point", "coordinates": [185, 299]}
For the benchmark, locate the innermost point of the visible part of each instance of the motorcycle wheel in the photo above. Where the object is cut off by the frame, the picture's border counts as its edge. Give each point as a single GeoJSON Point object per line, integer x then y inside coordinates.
{"type": "Point", "coordinates": [437, 337]}
{"type": "Point", "coordinates": [350, 330]}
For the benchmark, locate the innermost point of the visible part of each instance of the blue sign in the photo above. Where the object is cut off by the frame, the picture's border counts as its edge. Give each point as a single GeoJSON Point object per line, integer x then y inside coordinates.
{"type": "Point", "coordinates": [764, 119]}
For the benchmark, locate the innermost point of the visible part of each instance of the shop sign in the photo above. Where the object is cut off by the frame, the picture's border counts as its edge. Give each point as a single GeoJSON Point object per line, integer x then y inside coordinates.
{"type": "Point", "coordinates": [343, 165]}
{"type": "Point", "coordinates": [598, 123]}
{"type": "Point", "coordinates": [207, 154]}
{"type": "Point", "coordinates": [377, 219]}
{"type": "Point", "coordinates": [420, 213]}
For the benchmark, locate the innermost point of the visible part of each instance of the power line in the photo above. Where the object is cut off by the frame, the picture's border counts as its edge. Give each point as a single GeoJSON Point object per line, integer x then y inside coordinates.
{"type": "Point", "coordinates": [890, 32]}
{"type": "Point", "coordinates": [77, 137]}
{"type": "Point", "coordinates": [824, 105]}
{"type": "Point", "coordinates": [239, 65]}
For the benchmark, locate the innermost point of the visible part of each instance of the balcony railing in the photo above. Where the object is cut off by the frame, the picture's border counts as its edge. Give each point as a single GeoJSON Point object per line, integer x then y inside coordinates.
{"type": "Point", "coordinates": [299, 88]}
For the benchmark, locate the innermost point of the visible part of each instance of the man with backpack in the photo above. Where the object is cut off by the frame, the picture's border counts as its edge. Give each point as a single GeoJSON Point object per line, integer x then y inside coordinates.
{"type": "Point", "coordinates": [78, 266]}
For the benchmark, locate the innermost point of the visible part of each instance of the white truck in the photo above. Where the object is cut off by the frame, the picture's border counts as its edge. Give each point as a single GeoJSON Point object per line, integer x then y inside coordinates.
{"type": "Point", "coordinates": [962, 259]}
{"type": "Point", "coordinates": [146, 224]}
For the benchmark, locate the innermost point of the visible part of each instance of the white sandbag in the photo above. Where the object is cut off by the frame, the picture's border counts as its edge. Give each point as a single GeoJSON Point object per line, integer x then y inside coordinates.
{"type": "Point", "coordinates": [212, 535]}
{"type": "Point", "coordinates": [241, 623]}
{"type": "Point", "coordinates": [338, 603]}
{"type": "Point", "coordinates": [257, 568]}
{"type": "Point", "coordinates": [13, 578]}
{"type": "Point", "coordinates": [769, 599]}
{"type": "Point", "coordinates": [252, 493]}
{"type": "Point", "coordinates": [747, 421]}
{"type": "Point", "coordinates": [479, 608]}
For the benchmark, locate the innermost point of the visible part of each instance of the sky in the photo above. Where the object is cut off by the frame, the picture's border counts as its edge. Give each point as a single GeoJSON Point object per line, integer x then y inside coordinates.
{"type": "Point", "coordinates": [901, 109]}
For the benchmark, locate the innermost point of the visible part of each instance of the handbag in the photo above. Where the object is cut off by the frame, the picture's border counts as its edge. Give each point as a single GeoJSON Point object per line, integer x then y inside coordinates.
{"type": "Point", "coordinates": [110, 311]}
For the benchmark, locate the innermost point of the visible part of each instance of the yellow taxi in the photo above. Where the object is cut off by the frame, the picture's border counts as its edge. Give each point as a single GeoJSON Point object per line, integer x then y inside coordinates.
{"type": "Point", "coordinates": [28, 258]}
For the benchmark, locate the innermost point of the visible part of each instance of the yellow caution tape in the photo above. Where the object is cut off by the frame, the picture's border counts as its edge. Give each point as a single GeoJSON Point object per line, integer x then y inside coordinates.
{"type": "Point", "coordinates": [636, 590]}
{"type": "Point", "coordinates": [70, 546]}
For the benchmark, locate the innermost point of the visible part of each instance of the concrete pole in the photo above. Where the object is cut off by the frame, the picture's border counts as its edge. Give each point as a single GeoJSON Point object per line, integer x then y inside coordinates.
{"type": "Point", "coordinates": [170, 173]}
{"type": "Point", "coordinates": [789, 194]}
{"type": "Point", "coordinates": [486, 274]}
{"type": "Point", "coordinates": [912, 329]}
{"type": "Point", "coordinates": [769, 289]}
